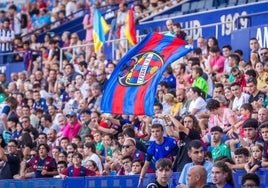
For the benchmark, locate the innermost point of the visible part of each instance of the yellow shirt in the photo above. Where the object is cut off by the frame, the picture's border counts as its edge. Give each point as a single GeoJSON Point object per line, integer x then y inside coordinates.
{"type": "Point", "coordinates": [175, 108]}
{"type": "Point", "coordinates": [261, 84]}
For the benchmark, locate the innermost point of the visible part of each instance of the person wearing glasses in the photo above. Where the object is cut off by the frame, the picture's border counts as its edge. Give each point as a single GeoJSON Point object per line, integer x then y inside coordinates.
{"type": "Point", "coordinates": [129, 148]}
{"type": "Point", "coordinates": [239, 77]}
{"type": "Point", "coordinates": [250, 181]}
{"type": "Point", "coordinates": [264, 55]}
{"type": "Point", "coordinates": [10, 162]}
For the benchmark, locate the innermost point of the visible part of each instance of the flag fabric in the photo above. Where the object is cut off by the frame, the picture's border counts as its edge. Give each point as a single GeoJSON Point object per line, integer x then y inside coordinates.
{"type": "Point", "coordinates": [132, 86]}
{"type": "Point", "coordinates": [130, 30]}
{"type": "Point", "coordinates": [100, 28]}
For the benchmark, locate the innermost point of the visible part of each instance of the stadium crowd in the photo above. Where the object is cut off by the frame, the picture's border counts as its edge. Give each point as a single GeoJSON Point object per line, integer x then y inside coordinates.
{"type": "Point", "coordinates": [210, 106]}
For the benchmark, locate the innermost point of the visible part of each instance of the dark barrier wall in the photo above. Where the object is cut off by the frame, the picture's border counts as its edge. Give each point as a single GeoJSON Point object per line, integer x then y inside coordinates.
{"type": "Point", "coordinates": [110, 181]}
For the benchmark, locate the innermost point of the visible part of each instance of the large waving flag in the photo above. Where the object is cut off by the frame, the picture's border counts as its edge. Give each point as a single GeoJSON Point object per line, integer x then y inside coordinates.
{"type": "Point", "coordinates": [130, 30]}
{"type": "Point", "coordinates": [132, 87]}
{"type": "Point", "coordinates": [100, 28]}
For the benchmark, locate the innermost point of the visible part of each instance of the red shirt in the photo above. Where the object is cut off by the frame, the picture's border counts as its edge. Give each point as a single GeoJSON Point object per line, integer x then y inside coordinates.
{"type": "Point", "coordinates": [242, 82]}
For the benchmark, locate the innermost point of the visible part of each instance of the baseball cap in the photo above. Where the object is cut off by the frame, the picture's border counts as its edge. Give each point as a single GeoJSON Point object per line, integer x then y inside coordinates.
{"type": "Point", "coordinates": [71, 114]}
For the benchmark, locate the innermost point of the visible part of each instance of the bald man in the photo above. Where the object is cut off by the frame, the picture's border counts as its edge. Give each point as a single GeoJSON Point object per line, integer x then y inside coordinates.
{"type": "Point", "coordinates": [196, 177]}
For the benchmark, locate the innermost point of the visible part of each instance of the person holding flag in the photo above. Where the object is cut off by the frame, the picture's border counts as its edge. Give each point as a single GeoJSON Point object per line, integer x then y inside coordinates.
{"type": "Point", "coordinates": [100, 28]}
{"type": "Point", "coordinates": [121, 26]}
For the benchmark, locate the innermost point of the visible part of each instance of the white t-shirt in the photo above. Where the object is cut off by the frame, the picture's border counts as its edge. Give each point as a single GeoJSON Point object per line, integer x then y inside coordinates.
{"type": "Point", "coordinates": [239, 101]}
{"type": "Point", "coordinates": [199, 104]}
{"type": "Point", "coordinates": [94, 157]}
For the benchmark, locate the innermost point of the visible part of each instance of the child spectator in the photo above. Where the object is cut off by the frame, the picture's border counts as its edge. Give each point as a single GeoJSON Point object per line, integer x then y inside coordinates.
{"type": "Point", "coordinates": [136, 166]}
{"type": "Point", "coordinates": [76, 170]}
{"type": "Point", "coordinates": [199, 81]}
{"type": "Point", "coordinates": [126, 166]}
{"type": "Point", "coordinates": [264, 133]}
{"type": "Point", "coordinates": [92, 165]}
{"type": "Point", "coordinates": [61, 165]}
{"type": "Point", "coordinates": [241, 156]}
{"type": "Point", "coordinates": [256, 158]}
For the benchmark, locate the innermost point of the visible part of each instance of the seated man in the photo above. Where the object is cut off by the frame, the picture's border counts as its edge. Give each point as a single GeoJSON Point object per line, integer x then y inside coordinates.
{"type": "Point", "coordinates": [163, 173]}
{"type": "Point", "coordinates": [218, 148]}
{"type": "Point", "coordinates": [196, 153]}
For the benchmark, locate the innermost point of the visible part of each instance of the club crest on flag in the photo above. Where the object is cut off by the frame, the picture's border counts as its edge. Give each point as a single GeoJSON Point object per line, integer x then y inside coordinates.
{"type": "Point", "coordinates": [140, 69]}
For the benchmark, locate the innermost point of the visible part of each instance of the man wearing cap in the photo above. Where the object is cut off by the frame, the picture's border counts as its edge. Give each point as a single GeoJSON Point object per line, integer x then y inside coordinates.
{"type": "Point", "coordinates": [162, 147]}
{"type": "Point", "coordinates": [73, 126]}
{"type": "Point", "coordinates": [218, 148]}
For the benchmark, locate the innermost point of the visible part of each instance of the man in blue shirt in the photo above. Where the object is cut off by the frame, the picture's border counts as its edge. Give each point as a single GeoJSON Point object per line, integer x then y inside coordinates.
{"type": "Point", "coordinates": [196, 153]}
{"type": "Point", "coordinates": [162, 147]}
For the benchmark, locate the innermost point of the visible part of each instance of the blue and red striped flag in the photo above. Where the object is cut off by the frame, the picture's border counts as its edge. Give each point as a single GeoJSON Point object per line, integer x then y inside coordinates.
{"type": "Point", "coordinates": [132, 86]}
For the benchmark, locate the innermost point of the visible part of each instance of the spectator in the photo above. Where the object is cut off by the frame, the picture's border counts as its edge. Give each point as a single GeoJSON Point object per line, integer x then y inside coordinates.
{"type": "Point", "coordinates": [6, 36]}
{"type": "Point", "coordinates": [169, 25]}
{"type": "Point", "coordinates": [10, 162]}
{"type": "Point", "coordinates": [196, 153]}
{"type": "Point", "coordinates": [250, 180]}
{"type": "Point", "coordinates": [90, 154]}
{"type": "Point", "coordinates": [222, 175]}
{"type": "Point", "coordinates": [218, 148]}
{"type": "Point", "coordinates": [255, 162]}
{"type": "Point", "coordinates": [216, 61]}
{"type": "Point", "coordinates": [72, 127]}
{"type": "Point", "coordinates": [197, 177]}
{"type": "Point", "coordinates": [76, 170]}
{"type": "Point", "coordinates": [43, 169]}
{"type": "Point", "coordinates": [157, 150]}
{"type": "Point", "coordinates": [163, 173]}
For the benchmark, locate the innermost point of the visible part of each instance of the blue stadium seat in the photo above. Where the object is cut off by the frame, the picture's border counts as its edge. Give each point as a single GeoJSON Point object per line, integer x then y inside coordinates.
{"type": "Point", "coordinates": [209, 5]}
{"type": "Point", "coordinates": [242, 2]}
{"type": "Point", "coordinates": [193, 6]}
{"type": "Point", "coordinates": [252, 1]}
{"type": "Point", "coordinates": [185, 8]}
{"type": "Point", "coordinates": [232, 2]}
{"type": "Point", "coordinates": [221, 3]}
{"type": "Point", "coordinates": [201, 5]}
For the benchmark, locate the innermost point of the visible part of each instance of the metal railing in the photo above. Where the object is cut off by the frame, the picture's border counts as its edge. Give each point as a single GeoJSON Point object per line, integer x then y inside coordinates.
{"type": "Point", "coordinates": [139, 37]}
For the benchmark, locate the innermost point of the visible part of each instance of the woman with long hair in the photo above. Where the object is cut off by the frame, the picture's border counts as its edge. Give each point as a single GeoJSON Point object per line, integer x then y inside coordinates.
{"type": "Point", "coordinates": [222, 175]}
{"type": "Point", "coordinates": [262, 76]}
{"type": "Point", "coordinates": [188, 127]}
